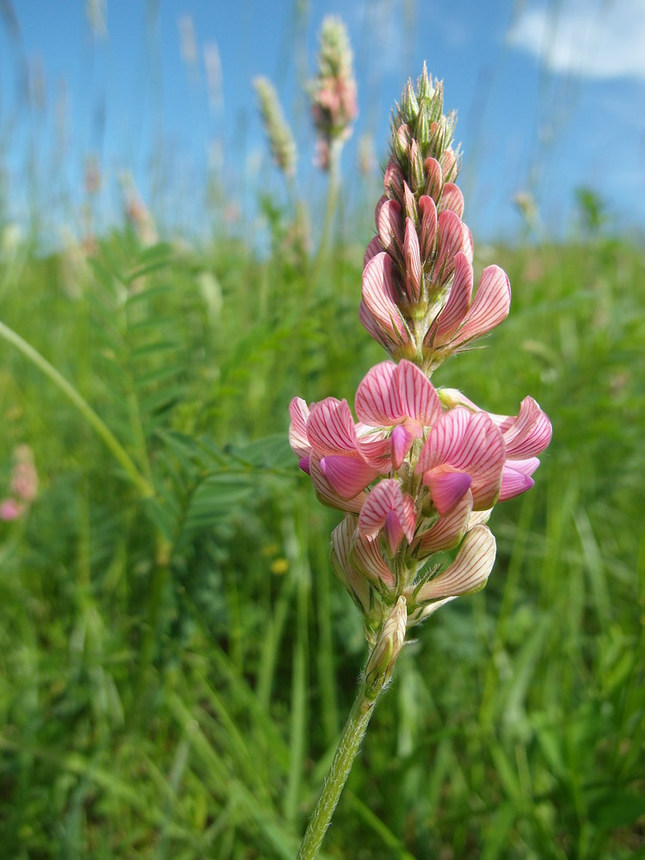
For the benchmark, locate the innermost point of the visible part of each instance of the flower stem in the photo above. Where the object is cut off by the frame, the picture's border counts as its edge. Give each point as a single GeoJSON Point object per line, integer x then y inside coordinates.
{"type": "Point", "coordinates": [348, 746]}
{"type": "Point", "coordinates": [330, 209]}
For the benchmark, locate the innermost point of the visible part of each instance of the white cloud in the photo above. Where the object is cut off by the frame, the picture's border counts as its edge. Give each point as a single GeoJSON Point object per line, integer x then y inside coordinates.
{"type": "Point", "coordinates": [590, 38]}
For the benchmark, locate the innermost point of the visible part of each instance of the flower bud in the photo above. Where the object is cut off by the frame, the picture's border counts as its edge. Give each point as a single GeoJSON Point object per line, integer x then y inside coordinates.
{"type": "Point", "coordinates": [387, 649]}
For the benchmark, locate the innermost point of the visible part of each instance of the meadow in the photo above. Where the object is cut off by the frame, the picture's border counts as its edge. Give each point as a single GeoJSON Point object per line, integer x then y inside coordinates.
{"type": "Point", "coordinates": [177, 658]}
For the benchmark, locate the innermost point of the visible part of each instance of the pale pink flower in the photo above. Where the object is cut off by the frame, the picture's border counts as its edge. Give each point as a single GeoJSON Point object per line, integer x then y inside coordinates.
{"type": "Point", "coordinates": [10, 509]}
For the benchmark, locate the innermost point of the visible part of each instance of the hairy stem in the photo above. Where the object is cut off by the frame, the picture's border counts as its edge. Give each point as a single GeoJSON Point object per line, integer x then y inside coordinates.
{"type": "Point", "coordinates": [348, 746]}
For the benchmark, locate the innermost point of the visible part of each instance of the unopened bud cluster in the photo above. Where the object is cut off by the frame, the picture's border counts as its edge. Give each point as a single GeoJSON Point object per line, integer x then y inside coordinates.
{"type": "Point", "coordinates": [420, 471]}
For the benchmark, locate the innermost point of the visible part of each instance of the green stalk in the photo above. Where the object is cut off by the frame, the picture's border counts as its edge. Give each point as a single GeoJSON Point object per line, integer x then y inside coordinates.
{"type": "Point", "coordinates": [144, 487]}
{"type": "Point", "coordinates": [335, 148]}
{"type": "Point", "coordinates": [373, 682]}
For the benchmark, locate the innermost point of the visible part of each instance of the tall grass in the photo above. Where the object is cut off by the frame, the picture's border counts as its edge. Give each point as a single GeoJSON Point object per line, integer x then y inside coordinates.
{"type": "Point", "coordinates": [175, 668]}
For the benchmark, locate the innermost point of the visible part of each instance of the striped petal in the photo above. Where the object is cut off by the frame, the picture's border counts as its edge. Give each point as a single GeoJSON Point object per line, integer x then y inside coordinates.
{"type": "Point", "coordinates": [341, 547]}
{"type": "Point", "coordinates": [412, 258]}
{"type": "Point", "coordinates": [448, 530]}
{"type": "Point", "coordinates": [390, 227]}
{"type": "Point", "coordinates": [428, 231]}
{"type": "Point", "coordinates": [391, 392]}
{"type": "Point", "coordinates": [372, 250]}
{"type": "Point", "coordinates": [469, 571]}
{"type": "Point", "coordinates": [469, 442]}
{"type": "Point", "coordinates": [367, 556]}
{"type": "Point", "coordinates": [490, 306]}
{"type": "Point", "coordinates": [330, 428]}
{"type": "Point", "coordinates": [299, 412]}
{"type": "Point", "coordinates": [401, 442]}
{"type": "Point", "coordinates": [450, 240]}
{"type": "Point", "coordinates": [529, 433]}
{"type": "Point", "coordinates": [387, 508]}
{"type": "Point", "coordinates": [380, 302]}
{"type": "Point", "coordinates": [452, 198]}
{"type": "Point", "coordinates": [435, 178]}
{"type": "Point", "coordinates": [456, 308]}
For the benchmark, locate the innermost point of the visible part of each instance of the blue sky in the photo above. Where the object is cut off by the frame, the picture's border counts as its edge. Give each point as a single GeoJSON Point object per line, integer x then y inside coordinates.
{"type": "Point", "coordinates": [550, 96]}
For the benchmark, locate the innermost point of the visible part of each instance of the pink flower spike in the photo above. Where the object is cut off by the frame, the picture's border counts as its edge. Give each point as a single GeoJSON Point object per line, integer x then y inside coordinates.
{"type": "Point", "coordinates": [299, 412]}
{"type": "Point", "coordinates": [490, 307]}
{"type": "Point", "coordinates": [388, 508]}
{"type": "Point", "coordinates": [447, 486]}
{"type": "Point", "coordinates": [412, 256]}
{"type": "Point", "coordinates": [452, 198]}
{"type": "Point", "coordinates": [469, 571]}
{"type": "Point", "coordinates": [347, 476]}
{"type": "Point", "coordinates": [458, 302]}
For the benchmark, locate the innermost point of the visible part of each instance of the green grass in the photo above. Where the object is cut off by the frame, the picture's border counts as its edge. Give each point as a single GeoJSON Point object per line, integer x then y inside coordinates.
{"type": "Point", "coordinates": [168, 691]}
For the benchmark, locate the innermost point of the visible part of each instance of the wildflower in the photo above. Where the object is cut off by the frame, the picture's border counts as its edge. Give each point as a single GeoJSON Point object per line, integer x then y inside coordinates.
{"type": "Point", "coordinates": [421, 468]}
{"type": "Point", "coordinates": [23, 484]}
{"type": "Point", "coordinates": [333, 93]}
{"type": "Point", "coordinates": [283, 146]}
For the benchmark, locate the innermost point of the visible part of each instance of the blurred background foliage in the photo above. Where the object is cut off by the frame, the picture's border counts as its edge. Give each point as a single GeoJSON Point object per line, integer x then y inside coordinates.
{"type": "Point", "coordinates": [175, 665]}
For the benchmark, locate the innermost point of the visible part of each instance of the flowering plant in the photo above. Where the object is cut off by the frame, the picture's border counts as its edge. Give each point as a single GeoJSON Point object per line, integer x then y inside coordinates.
{"type": "Point", "coordinates": [420, 471]}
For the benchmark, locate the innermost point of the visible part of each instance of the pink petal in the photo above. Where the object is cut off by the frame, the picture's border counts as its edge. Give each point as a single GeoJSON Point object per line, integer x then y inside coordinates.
{"type": "Point", "coordinates": [450, 240]}
{"type": "Point", "coordinates": [401, 441]}
{"type": "Point", "coordinates": [452, 198]}
{"type": "Point", "coordinates": [469, 442]}
{"type": "Point", "coordinates": [387, 508]}
{"type": "Point", "coordinates": [299, 412]}
{"type": "Point", "coordinates": [372, 250]}
{"type": "Point", "coordinates": [347, 475]}
{"type": "Point", "coordinates": [327, 495]}
{"type": "Point", "coordinates": [458, 302]}
{"type": "Point", "coordinates": [428, 231]}
{"type": "Point", "coordinates": [341, 547]}
{"type": "Point", "coordinates": [417, 396]}
{"type": "Point", "coordinates": [470, 569]}
{"type": "Point", "coordinates": [516, 478]}
{"type": "Point", "coordinates": [330, 428]}
{"type": "Point", "coordinates": [448, 530]}
{"type": "Point", "coordinates": [528, 434]}
{"type": "Point", "coordinates": [390, 227]}
{"type": "Point", "coordinates": [393, 180]}
{"type": "Point", "coordinates": [368, 557]}
{"type": "Point", "coordinates": [447, 486]}
{"type": "Point", "coordinates": [412, 257]}
{"type": "Point", "coordinates": [380, 300]}
{"type": "Point", "coordinates": [435, 178]}
{"type": "Point", "coordinates": [490, 306]}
